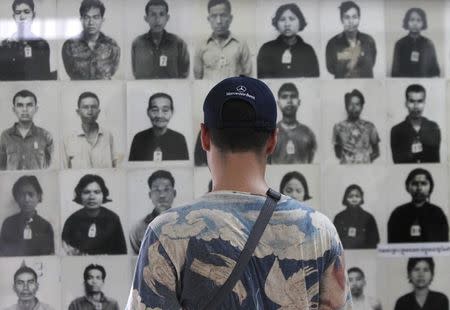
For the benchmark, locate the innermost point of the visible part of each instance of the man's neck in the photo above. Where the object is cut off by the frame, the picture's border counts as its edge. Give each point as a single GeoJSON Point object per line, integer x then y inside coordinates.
{"type": "Point", "coordinates": [24, 125]}
{"type": "Point", "coordinates": [289, 120]}
{"type": "Point", "coordinates": [89, 128]}
{"type": "Point", "coordinates": [359, 298]}
{"type": "Point", "coordinates": [157, 37]}
{"type": "Point", "coordinates": [351, 35]}
{"type": "Point", "coordinates": [419, 203]}
{"type": "Point", "coordinates": [92, 38]}
{"type": "Point", "coordinates": [27, 304]}
{"type": "Point", "coordinates": [97, 296]}
{"type": "Point", "coordinates": [414, 35]}
{"type": "Point", "coordinates": [159, 131]}
{"type": "Point", "coordinates": [352, 119]}
{"type": "Point", "coordinates": [221, 37]}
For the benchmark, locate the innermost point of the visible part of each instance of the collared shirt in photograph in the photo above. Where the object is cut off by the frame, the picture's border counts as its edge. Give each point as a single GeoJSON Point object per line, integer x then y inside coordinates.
{"type": "Point", "coordinates": [39, 239]}
{"type": "Point", "coordinates": [415, 57]}
{"type": "Point", "coordinates": [410, 146]}
{"type": "Point", "coordinates": [83, 63]}
{"type": "Point", "coordinates": [216, 60]}
{"type": "Point", "coordinates": [32, 152]}
{"type": "Point", "coordinates": [168, 60]}
{"type": "Point", "coordinates": [296, 145]}
{"type": "Point", "coordinates": [171, 146]}
{"type": "Point", "coordinates": [80, 154]}
{"type": "Point", "coordinates": [86, 303]}
{"type": "Point", "coordinates": [39, 306]}
{"type": "Point", "coordinates": [433, 301]}
{"type": "Point", "coordinates": [356, 140]}
{"type": "Point", "coordinates": [25, 59]}
{"type": "Point", "coordinates": [277, 59]}
{"type": "Point", "coordinates": [339, 47]}
{"type": "Point", "coordinates": [138, 231]}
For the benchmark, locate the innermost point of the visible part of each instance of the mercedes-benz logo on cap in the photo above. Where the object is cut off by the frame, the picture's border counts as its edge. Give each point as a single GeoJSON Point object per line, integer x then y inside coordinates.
{"type": "Point", "coordinates": [241, 88]}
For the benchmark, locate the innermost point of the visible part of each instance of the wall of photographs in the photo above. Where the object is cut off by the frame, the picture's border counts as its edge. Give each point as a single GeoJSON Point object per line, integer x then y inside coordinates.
{"type": "Point", "coordinates": [74, 138]}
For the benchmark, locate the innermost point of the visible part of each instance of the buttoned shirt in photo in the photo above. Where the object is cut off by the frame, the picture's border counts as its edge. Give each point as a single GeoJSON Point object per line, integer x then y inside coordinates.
{"type": "Point", "coordinates": [217, 60]}
{"type": "Point", "coordinates": [34, 151]}
{"type": "Point", "coordinates": [79, 153]}
{"type": "Point", "coordinates": [83, 63]}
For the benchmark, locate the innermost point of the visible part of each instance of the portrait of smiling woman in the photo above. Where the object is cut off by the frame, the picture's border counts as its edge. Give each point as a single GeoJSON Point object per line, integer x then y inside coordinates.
{"type": "Point", "coordinates": [94, 229]}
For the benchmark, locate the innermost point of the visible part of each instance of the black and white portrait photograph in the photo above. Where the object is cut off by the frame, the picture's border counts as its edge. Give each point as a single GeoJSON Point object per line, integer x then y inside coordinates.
{"type": "Point", "coordinates": [298, 121]}
{"type": "Point", "coordinates": [417, 121]}
{"type": "Point", "coordinates": [28, 49]}
{"type": "Point", "coordinates": [353, 39]}
{"type": "Point", "coordinates": [287, 39]}
{"type": "Point", "coordinates": [354, 122]}
{"type": "Point", "coordinates": [93, 212]}
{"type": "Point", "coordinates": [159, 39]}
{"type": "Point", "coordinates": [151, 192]}
{"type": "Point", "coordinates": [202, 181]}
{"type": "Point", "coordinates": [93, 124]}
{"type": "Point", "coordinates": [92, 39]}
{"type": "Point", "coordinates": [30, 283]}
{"type": "Point", "coordinates": [355, 204]}
{"type": "Point", "coordinates": [95, 282]}
{"type": "Point", "coordinates": [29, 214]}
{"type": "Point", "coordinates": [414, 283]}
{"type": "Point", "coordinates": [418, 209]}
{"type": "Point", "coordinates": [159, 122]}
{"type": "Point", "coordinates": [29, 138]}
{"type": "Point", "coordinates": [224, 39]}
{"type": "Point", "coordinates": [415, 38]}
{"type": "Point", "coordinates": [300, 182]}
{"type": "Point", "coordinates": [362, 278]}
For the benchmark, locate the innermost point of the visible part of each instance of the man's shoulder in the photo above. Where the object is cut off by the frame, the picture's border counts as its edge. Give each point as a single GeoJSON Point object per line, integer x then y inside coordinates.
{"type": "Point", "coordinates": [174, 134]}
{"type": "Point", "coordinates": [42, 131]}
{"type": "Point", "coordinates": [366, 37]}
{"type": "Point", "coordinates": [401, 209]}
{"type": "Point", "coordinates": [109, 40]}
{"type": "Point", "coordinates": [430, 123]}
{"type": "Point", "coordinates": [144, 134]}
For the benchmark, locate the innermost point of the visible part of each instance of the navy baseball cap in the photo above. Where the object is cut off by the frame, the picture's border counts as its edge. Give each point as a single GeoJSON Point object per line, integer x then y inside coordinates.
{"type": "Point", "coordinates": [253, 91]}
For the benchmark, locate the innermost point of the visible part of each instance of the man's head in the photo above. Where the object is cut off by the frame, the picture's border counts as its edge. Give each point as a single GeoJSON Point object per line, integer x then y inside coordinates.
{"type": "Point", "coordinates": [419, 184]}
{"type": "Point", "coordinates": [219, 16]}
{"type": "Point", "coordinates": [94, 279]}
{"type": "Point", "coordinates": [415, 96]}
{"type": "Point", "coordinates": [354, 102]}
{"type": "Point", "coordinates": [357, 281]}
{"type": "Point", "coordinates": [27, 192]}
{"type": "Point", "coordinates": [25, 105]}
{"type": "Point", "coordinates": [162, 190]}
{"type": "Point", "coordinates": [92, 14]}
{"type": "Point", "coordinates": [160, 109]}
{"type": "Point", "coordinates": [25, 283]}
{"type": "Point", "coordinates": [157, 15]}
{"type": "Point", "coordinates": [350, 15]}
{"type": "Point", "coordinates": [288, 100]}
{"type": "Point", "coordinates": [88, 107]}
{"type": "Point", "coordinates": [240, 116]}
{"type": "Point", "coordinates": [23, 12]}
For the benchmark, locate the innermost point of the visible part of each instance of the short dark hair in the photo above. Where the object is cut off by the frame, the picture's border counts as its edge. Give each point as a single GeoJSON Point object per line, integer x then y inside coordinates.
{"type": "Point", "coordinates": [250, 139]}
{"type": "Point", "coordinates": [300, 177]}
{"type": "Point", "coordinates": [212, 3]}
{"type": "Point", "coordinates": [159, 95]}
{"type": "Point", "coordinates": [412, 262]}
{"type": "Point", "coordinates": [26, 180]}
{"type": "Point", "coordinates": [86, 5]}
{"type": "Point", "coordinates": [87, 94]}
{"type": "Point", "coordinates": [25, 269]}
{"type": "Point", "coordinates": [24, 93]}
{"type": "Point", "coordinates": [422, 15]}
{"type": "Point", "coordinates": [160, 174]}
{"type": "Point", "coordinates": [30, 3]}
{"type": "Point", "coordinates": [210, 186]}
{"type": "Point", "coordinates": [348, 190]}
{"type": "Point", "coordinates": [347, 5]}
{"type": "Point", "coordinates": [294, 9]}
{"type": "Point", "coordinates": [419, 171]}
{"type": "Point", "coordinates": [94, 267]}
{"type": "Point", "coordinates": [415, 88]}
{"type": "Point", "coordinates": [354, 93]}
{"type": "Point", "coordinates": [356, 269]}
{"type": "Point", "coordinates": [85, 181]}
{"type": "Point", "coordinates": [287, 87]}
{"type": "Point", "coordinates": [156, 2]}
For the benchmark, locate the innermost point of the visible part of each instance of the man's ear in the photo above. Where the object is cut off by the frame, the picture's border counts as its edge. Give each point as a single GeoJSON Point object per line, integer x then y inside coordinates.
{"type": "Point", "coordinates": [205, 136]}
{"type": "Point", "coordinates": [272, 142]}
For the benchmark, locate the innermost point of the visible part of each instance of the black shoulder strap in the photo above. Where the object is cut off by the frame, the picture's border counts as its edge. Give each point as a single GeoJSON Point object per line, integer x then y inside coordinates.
{"type": "Point", "coordinates": [255, 234]}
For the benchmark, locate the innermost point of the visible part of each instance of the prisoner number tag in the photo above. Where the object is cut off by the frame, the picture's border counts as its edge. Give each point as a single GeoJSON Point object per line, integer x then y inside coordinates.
{"type": "Point", "coordinates": [286, 58]}
{"type": "Point", "coordinates": [92, 233]}
{"type": "Point", "coordinates": [28, 51]}
{"type": "Point", "coordinates": [163, 61]}
{"type": "Point", "coordinates": [157, 155]}
{"type": "Point", "coordinates": [27, 233]}
{"type": "Point", "coordinates": [416, 147]}
{"type": "Point", "coordinates": [35, 145]}
{"type": "Point", "coordinates": [415, 55]}
{"type": "Point", "coordinates": [416, 231]}
{"type": "Point", "coordinates": [290, 148]}
{"type": "Point", "coordinates": [352, 232]}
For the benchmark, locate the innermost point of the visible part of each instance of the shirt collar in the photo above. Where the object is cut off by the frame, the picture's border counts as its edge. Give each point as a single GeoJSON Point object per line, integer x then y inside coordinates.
{"type": "Point", "coordinates": [343, 38]}
{"type": "Point", "coordinates": [164, 37]}
{"type": "Point", "coordinates": [15, 131]}
{"type": "Point", "coordinates": [281, 41]}
{"type": "Point", "coordinates": [101, 37]}
{"type": "Point", "coordinates": [150, 217]}
{"type": "Point", "coordinates": [80, 133]}
{"type": "Point", "coordinates": [230, 38]}
{"type": "Point", "coordinates": [102, 299]}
